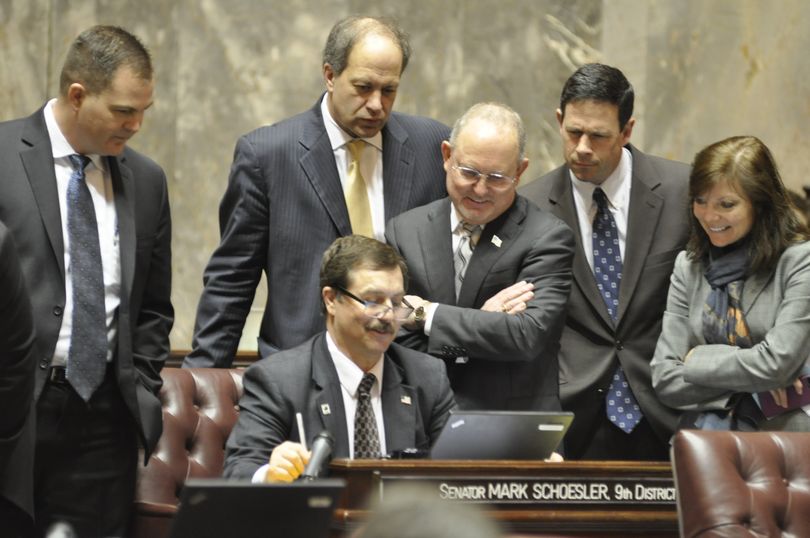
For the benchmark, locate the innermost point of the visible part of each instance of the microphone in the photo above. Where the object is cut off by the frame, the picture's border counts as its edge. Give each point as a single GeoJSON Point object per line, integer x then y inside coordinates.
{"type": "Point", "coordinates": [321, 454]}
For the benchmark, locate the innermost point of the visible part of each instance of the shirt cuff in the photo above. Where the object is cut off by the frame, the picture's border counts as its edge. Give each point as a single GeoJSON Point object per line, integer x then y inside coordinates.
{"type": "Point", "coordinates": [260, 475]}
{"type": "Point", "coordinates": [429, 312]}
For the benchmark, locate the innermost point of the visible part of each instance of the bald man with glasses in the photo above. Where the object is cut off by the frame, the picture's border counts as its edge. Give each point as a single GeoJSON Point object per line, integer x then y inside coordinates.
{"type": "Point", "coordinates": [374, 397]}
{"type": "Point", "coordinates": [490, 272]}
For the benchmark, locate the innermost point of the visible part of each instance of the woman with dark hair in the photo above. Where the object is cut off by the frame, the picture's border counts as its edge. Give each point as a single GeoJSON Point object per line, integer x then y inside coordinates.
{"type": "Point", "coordinates": [736, 331]}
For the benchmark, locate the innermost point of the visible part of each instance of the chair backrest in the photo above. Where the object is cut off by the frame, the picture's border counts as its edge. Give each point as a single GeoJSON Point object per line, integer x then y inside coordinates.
{"type": "Point", "coordinates": [200, 407]}
{"type": "Point", "coordinates": [742, 483]}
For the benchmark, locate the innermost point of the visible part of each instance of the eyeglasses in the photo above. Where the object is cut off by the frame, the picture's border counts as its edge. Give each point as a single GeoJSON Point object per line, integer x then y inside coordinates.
{"type": "Point", "coordinates": [378, 310]}
{"type": "Point", "coordinates": [495, 180]}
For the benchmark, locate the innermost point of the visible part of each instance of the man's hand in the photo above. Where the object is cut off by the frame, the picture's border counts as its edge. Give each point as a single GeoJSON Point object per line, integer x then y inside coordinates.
{"type": "Point", "coordinates": [416, 302]}
{"type": "Point", "coordinates": [510, 300]}
{"type": "Point", "coordinates": [780, 395]}
{"type": "Point", "coordinates": [287, 462]}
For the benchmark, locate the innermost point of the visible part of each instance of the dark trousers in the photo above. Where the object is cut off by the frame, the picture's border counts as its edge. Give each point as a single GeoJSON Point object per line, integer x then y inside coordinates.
{"type": "Point", "coordinates": [603, 440]}
{"type": "Point", "coordinates": [85, 461]}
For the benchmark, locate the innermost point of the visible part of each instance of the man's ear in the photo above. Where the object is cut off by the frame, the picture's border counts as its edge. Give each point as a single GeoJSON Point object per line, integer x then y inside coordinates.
{"type": "Point", "coordinates": [627, 131]}
{"type": "Point", "coordinates": [76, 94]}
{"type": "Point", "coordinates": [329, 77]}
{"type": "Point", "coordinates": [329, 295]}
{"type": "Point", "coordinates": [524, 164]}
{"type": "Point", "coordinates": [447, 151]}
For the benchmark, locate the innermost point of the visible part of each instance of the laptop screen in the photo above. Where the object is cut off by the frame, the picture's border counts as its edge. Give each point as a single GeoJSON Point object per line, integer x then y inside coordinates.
{"type": "Point", "coordinates": [217, 508]}
{"type": "Point", "coordinates": [501, 435]}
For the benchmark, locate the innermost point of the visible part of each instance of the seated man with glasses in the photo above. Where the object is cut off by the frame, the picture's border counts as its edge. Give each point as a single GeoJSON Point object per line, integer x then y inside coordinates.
{"type": "Point", "coordinates": [490, 272]}
{"type": "Point", "coordinates": [374, 397]}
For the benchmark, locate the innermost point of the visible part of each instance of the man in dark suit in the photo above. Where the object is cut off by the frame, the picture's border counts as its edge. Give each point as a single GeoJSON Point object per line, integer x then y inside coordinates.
{"type": "Point", "coordinates": [90, 218]}
{"type": "Point", "coordinates": [609, 191]}
{"type": "Point", "coordinates": [17, 369]}
{"type": "Point", "coordinates": [374, 397]}
{"type": "Point", "coordinates": [497, 318]}
{"type": "Point", "coordinates": [290, 192]}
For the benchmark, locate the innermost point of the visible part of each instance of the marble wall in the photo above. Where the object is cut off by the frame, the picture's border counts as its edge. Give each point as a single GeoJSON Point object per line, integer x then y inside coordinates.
{"type": "Point", "coordinates": [703, 70]}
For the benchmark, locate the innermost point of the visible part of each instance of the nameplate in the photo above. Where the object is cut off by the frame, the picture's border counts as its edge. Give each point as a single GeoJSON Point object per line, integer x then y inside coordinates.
{"type": "Point", "coordinates": [547, 490]}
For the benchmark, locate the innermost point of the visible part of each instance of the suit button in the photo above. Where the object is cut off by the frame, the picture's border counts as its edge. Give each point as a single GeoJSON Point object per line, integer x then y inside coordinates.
{"type": "Point", "coordinates": [57, 310]}
{"type": "Point", "coordinates": [43, 363]}
{"type": "Point", "coordinates": [619, 345]}
{"type": "Point", "coordinates": [600, 391]}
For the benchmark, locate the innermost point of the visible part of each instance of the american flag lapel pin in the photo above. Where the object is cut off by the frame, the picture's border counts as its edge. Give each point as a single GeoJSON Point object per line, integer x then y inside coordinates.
{"type": "Point", "coordinates": [325, 409]}
{"type": "Point", "coordinates": [496, 241]}
{"type": "Point", "coordinates": [405, 399]}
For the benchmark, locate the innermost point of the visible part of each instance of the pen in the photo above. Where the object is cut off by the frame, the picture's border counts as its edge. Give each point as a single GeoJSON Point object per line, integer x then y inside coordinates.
{"type": "Point", "coordinates": [301, 434]}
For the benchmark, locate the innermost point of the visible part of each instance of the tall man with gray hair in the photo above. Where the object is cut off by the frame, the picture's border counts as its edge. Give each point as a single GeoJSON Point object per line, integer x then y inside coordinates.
{"type": "Point", "coordinates": [345, 166]}
{"type": "Point", "coordinates": [490, 272]}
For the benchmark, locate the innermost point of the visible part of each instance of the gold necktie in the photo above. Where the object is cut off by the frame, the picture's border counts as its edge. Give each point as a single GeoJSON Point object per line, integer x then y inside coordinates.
{"type": "Point", "coordinates": [356, 194]}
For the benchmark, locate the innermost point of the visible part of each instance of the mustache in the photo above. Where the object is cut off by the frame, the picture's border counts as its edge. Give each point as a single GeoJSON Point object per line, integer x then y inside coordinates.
{"type": "Point", "coordinates": [381, 326]}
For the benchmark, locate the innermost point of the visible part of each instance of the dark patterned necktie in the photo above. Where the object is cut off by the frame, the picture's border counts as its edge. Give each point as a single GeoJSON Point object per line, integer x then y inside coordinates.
{"type": "Point", "coordinates": [366, 438]}
{"type": "Point", "coordinates": [464, 251]}
{"type": "Point", "coordinates": [87, 357]}
{"type": "Point", "coordinates": [622, 407]}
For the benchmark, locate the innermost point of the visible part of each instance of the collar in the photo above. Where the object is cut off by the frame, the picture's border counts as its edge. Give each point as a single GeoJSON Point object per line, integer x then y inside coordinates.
{"type": "Point", "coordinates": [60, 147]}
{"type": "Point", "coordinates": [455, 220]}
{"type": "Point", "coordinates": [337, 136]}
{"type": "Point", "coordinates": [616, 187]}
{"type": "Point", "coordinates": [349, 373]}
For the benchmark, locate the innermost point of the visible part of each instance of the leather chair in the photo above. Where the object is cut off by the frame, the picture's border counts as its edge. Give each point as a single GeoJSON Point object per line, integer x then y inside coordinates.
{"type": "Point", "coordinates": [200, 407]}
{"type": "Point", "coordinates": [742, 483]}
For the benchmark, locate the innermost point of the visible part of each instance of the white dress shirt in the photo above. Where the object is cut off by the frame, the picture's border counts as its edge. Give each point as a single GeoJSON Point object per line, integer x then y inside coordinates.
{"type": "Point", "coordinates": [617, 190]}
{"type": "Point", "coordinates": [371, 166]}
{"type": "Point", "coordinates": [100, 184]}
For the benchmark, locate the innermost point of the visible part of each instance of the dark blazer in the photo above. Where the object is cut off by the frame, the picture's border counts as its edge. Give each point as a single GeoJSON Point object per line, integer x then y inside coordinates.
{"type": "Point", "coordinates": [283, 207]}
{"type": "Point", "coordinates": [591, 345]}
{"type": "Point", "coordinates": [29, 205]}
{"type": "Point", "coordinates": [416, 402]}
{"type": "Point", "coordinates": [776, 308]}
{"type": "Point", "coordinates": [17, 369]}
{"type": "Point", "coordinates": [513, 358]}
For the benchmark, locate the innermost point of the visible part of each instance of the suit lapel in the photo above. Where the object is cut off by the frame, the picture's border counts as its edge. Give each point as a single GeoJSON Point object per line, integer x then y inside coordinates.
{"type": "Point", "coordinates": [399, 405]}
{"type": "Point", "coordinates": [752, 290]}
{"type": "Point", "coordinates": [398, 161]}
{"type": "Point", "coordinates": [123, 189]}
{"type": "Point", "coordinates": [561, 198]}
{"type": "Point", "coordinates": [328, 398]}
{"type": "Point", "coordinates": [38, 163]}
{"type": "Point", "coordinates": [489, 249]}
{"type": "Point", "coordinates": [318, 164]}
{"type": "Point", "coordinates": [437, 253]}
{"type": "Point", "coordinates": [643, 215]}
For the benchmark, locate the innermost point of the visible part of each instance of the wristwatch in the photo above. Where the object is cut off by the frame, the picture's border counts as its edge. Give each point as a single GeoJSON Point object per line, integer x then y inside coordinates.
{"type": "Point", "coordinates": [419, 316]}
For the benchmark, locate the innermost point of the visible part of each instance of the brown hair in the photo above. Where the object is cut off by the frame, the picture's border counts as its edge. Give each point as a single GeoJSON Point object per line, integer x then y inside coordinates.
{"type": "Point", "coordinates": [96, 55]}
{"type": "Point", "coordinates": [357, 251]}
{"type": "Point", "coordinates": [748, 166]}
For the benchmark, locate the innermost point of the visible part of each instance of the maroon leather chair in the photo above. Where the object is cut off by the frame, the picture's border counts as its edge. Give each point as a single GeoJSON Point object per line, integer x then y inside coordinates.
{"type": "Point", "coordinates": [200, 407]}
{"type": "Point", "coordinates": [735, 484]}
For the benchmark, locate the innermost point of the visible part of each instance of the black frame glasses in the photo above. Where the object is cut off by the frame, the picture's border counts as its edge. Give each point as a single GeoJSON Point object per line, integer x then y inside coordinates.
{"type": "Point", "coordinates": [378, 310]}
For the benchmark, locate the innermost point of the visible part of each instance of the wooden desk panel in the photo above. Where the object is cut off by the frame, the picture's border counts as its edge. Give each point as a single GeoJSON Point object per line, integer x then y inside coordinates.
{"type": "Point", "coordinates": [528, 497]}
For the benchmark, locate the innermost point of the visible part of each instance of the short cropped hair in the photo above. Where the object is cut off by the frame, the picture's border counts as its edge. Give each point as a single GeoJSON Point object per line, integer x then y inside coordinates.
{"type": "Point", "coordinates": [346, 33]}
{"type": "Point", "coordinates": [96, 55]}
{"type": "Point", "coordinates": [498, 114]}
{"type": "Point", "coordinates": [352, 252]}
{"type": "Point", "coordinates": [746, 163]}
{"type": "Point", "coordinates": [600, 82]}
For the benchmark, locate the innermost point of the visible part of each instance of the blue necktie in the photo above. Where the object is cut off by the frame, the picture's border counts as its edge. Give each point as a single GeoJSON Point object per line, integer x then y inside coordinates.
{"type": "Point", "coordinates": [622, 408]}
{"type": "Point", "coordinates": [87, 358]}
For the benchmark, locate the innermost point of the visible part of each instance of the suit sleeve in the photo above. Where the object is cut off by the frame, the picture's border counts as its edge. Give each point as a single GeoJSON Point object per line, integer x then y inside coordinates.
{"type": "Point", "coordinates": [411, 339]}
{"type": "Point", "coordinates": [264, 422]}
{"type": "Point", "coordinates": [777, 359]}
{"type": "Point", "coordinates": [235, 268]}
{"type": "Point", "coordinates": [443, 405]}
{"type": "Point", "coordinates": [675, 341]}
{"type": "Point", "coordinates": [155, 315]}
{"type": "Point", "coordinates": [504, 337]}
{"type": "Point", "coordinates": [17, 364]}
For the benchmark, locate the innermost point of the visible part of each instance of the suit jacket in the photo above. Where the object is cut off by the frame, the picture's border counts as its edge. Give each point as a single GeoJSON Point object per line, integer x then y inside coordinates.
{"type": "Point", "coordinates": [283, 207]}
{"type": "Point", "coordinates": [777, 310]}
{"type": "Point", "coordinates": [416, 402]}
{"type": "Point", "coordinates": [513, 358]}
{"type": "Point", "coordinates": [591, 345]}
{"type": "Point", "coordinates": [17, 369]}
{"type": "Point", "coordinates": [29, 205]}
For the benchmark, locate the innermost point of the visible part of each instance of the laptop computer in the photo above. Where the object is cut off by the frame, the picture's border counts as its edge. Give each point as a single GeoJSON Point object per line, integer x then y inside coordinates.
{"type": "Point", "coordinates": [217, 508]}
{"type": "Point", "coordinates": [501, 435]}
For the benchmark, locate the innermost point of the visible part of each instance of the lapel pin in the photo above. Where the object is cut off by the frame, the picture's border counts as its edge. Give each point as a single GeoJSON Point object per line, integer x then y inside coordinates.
{"type": "Point", "coordinates": [325, 409]}
{"type": "Point", "coordinates": [496, 241]}
{"type": "Point", "coordinates": [405, 399]}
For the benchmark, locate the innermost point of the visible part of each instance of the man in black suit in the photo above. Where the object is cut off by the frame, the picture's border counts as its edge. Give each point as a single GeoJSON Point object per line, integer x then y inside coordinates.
{"type": "Point", "coordinates": [290, 192]}
{"type": "Point", "coordinates": [90, 218]}
{"type": "Point", "coordinates": [17, 369]}
{"type": "Point", "coordinates": [406, 399]}
{"type": "Point", "coordinates": [497, 318]}
{"type": "Point", "coordinates": [609, 339]}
